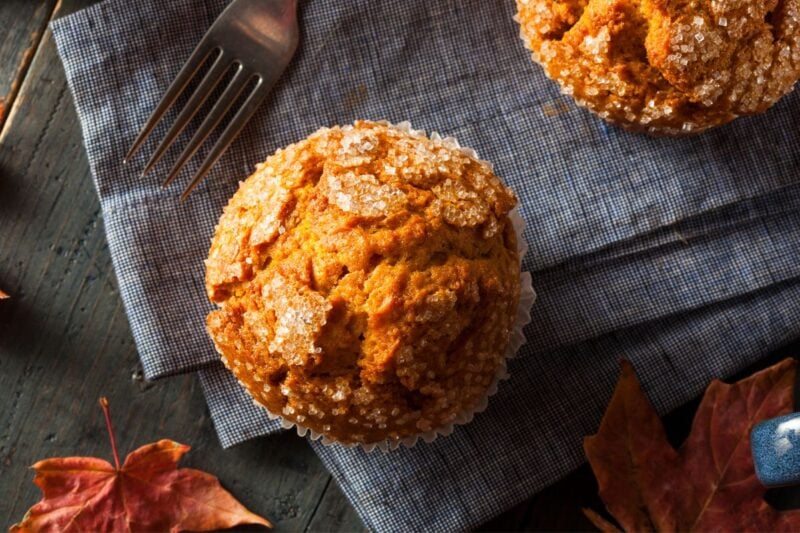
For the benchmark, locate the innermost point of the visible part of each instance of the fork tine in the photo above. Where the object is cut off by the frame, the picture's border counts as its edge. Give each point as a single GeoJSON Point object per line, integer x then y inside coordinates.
{"type": "Point", "coordinates": [191, 108]}
{"type": "Point", "coordinates": [217, 113]}
{"type": "Point", "coordinates": [231, 131]}
{"type": "Point", "coordinates": [177, 86]}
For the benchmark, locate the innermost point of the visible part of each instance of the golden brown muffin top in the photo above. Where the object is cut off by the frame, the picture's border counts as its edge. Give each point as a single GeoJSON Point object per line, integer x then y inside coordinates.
{"type": "Point", "coordinates": [667, 66]}
{"type": "Point", "coordinates": [367, 280]}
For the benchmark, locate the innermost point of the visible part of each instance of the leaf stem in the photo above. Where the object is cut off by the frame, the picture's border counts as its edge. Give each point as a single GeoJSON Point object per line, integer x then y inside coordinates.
{"type": "Point", "coordinates": [104, 406]}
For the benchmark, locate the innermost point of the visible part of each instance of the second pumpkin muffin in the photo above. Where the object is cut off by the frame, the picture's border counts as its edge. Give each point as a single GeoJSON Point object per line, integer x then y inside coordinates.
{"type": "Point", "coordinates": [664, 66]}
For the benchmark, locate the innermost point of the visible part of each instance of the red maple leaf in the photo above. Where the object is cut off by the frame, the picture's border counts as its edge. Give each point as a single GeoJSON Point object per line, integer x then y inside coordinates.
{"type": "Point", "coordinates": [147, 493]}
{"type": "Point", "coordinates": [709, 484]}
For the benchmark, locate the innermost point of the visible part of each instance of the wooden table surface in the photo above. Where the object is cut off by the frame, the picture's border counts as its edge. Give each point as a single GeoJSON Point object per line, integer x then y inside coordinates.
{"type": "Point", "coordinates": [65, 340]}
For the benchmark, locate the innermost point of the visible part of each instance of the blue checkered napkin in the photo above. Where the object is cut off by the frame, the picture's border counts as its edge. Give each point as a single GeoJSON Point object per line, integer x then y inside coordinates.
{"type": "Point", "coordinates": [454, 67]}
{"type": "Point", "coordinates": [678, 253]}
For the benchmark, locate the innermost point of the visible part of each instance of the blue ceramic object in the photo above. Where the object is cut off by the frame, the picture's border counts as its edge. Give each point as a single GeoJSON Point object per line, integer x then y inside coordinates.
{"type": "Point", "coordinates": [775, 444]}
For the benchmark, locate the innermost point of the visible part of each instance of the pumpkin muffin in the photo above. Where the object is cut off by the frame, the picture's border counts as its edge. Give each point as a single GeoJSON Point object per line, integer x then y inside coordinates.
{"type": "Point", "coordinates": [367, 281]}
{"type": "Point", "coordinates": [669, 67]}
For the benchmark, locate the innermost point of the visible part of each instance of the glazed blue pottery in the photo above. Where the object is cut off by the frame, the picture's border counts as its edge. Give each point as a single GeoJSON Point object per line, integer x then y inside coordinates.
{"type": "Point", "coordinates": [775, 444]}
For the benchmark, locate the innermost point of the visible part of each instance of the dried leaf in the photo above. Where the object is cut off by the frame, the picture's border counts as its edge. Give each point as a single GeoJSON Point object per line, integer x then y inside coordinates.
{"type": "Point", "coordinates": [710, 483]}
{"type": "Point", "coordinates": [3, 295]}
{"type": "Point", "coordinates": [148, 493]}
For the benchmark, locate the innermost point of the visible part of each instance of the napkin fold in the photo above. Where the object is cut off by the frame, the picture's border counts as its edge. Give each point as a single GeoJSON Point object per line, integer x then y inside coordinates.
{"type": "Point", "coordinates": [679, 254]}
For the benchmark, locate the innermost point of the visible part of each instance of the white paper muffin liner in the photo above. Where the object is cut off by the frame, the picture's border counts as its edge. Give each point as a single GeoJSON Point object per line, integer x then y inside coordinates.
{"type": "Point", "coordinates": [516, 339]}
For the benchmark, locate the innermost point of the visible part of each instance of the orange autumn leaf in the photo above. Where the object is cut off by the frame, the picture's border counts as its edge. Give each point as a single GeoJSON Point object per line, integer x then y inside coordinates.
{"type": "Point", "coordinates": [147, 493]}
{"type": "Point", "coordinates": [709, 484]}
{"type": "Point", "coordinates": [3, 295]}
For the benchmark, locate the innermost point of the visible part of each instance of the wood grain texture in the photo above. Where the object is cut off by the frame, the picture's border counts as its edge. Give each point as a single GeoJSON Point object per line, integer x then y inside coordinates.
{"type": "Point", "coordinates": [23, 23]}
{"type": "Point", "coordinates": [65, 341]}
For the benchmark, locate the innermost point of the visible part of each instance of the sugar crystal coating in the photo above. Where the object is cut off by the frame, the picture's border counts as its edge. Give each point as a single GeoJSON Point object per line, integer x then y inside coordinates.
{"type": "Point", "coordinates": [666, 66]}
{"type": "Point", "coordinates": [300, 314]}
{"type": "Point", "coordinates": [363, 194]}
{"type": "Point", "coordinates": [367, 282]}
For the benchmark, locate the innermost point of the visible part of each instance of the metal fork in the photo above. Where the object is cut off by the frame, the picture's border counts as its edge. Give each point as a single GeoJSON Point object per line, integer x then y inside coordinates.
{"type": "Point", "coordinates": [255, 38]}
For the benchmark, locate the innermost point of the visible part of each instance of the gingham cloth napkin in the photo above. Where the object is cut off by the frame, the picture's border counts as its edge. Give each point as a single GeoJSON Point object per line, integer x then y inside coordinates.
{"type": "Point", "coordinates": [679, 254]}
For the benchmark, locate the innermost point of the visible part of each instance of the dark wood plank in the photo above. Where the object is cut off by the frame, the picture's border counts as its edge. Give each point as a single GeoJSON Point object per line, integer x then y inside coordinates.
{"type": "Point", "coordinates": [65, 341]}
{"type": "Point", "coordinates": [23, 22]}
{"type": "Point", "coordinates": [333, 512]}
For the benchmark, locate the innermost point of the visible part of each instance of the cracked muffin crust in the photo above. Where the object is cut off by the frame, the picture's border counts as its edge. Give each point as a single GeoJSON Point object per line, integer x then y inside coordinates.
{"type": "Point", "coordinates": [367, 282]}
{"type": "Point", "coordinates": [667, 66]}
